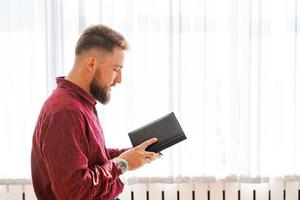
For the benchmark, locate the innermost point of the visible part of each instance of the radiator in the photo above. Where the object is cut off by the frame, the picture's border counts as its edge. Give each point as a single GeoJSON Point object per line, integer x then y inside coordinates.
{"type": "Point", "coordinates": [218, 190]}
{"type": "Point", "coordinates": [16, 190]}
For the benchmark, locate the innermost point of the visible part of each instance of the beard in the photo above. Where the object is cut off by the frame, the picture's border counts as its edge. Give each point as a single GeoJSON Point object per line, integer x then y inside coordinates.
{"type": "Point", "coordinates": [99, 92]}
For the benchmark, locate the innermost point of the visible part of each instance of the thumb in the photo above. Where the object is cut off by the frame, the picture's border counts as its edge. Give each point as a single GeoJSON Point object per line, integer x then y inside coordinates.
{"type": "Point", "coordinates": [145, 144]}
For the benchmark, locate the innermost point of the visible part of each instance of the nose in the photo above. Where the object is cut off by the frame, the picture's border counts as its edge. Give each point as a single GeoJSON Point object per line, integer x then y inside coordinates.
{"type": "Point", "coordinates": [118, 78]}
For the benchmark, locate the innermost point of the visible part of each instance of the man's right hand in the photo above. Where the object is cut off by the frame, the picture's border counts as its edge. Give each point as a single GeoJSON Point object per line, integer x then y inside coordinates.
{"type": "Point", "coordinates": [137, 156]}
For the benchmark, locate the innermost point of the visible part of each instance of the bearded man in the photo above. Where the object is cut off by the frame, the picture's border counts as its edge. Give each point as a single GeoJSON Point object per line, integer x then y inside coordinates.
{"type": "Point", "coordinates": [69, 159]}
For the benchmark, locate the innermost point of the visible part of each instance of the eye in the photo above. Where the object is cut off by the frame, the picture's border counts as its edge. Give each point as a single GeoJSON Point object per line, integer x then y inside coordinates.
{"type": "Point", "coordinates": [117, 69]}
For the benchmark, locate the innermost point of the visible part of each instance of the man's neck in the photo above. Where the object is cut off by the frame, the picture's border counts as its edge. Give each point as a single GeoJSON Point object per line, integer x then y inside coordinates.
{"type": "Point", "coordinates": [73, 77]}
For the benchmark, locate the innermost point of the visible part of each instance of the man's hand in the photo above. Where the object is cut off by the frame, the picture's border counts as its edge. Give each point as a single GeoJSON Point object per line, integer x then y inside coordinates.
{"type": "Point", "coordinates": [137, 156]}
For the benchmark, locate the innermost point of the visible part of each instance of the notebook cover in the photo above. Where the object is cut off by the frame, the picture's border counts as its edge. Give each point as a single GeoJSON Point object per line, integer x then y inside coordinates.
{"type": "Point", "coordinates": [166, 129]}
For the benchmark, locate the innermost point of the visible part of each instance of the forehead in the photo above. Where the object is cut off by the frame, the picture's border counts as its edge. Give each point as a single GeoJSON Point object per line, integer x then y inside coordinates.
{"type": "Point", "coordinates": [118, 53]}
{"type": "Point", "coordinates": [116, 57]}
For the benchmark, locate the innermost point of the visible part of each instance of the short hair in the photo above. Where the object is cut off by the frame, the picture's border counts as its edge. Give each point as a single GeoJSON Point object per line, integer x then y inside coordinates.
{"type": "Point", "coordinates": [100, 37]}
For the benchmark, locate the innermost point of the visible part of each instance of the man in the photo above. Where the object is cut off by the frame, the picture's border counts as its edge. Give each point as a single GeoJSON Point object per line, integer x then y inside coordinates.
{"type": "Point", "coordinates": [69, 159]}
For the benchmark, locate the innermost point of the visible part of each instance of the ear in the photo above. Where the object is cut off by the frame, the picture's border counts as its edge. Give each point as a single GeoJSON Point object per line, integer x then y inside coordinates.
{"type": "Point", "coordinates": [91, 63]}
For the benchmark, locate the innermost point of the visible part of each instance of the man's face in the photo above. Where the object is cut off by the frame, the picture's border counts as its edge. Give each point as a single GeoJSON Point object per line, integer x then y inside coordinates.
{"type": "Point", "coordinates": [107, 75]}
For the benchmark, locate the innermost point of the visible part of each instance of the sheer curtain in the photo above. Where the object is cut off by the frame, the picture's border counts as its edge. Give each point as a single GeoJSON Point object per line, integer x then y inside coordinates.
{"type": "Point", "coordinates": [229, 69]}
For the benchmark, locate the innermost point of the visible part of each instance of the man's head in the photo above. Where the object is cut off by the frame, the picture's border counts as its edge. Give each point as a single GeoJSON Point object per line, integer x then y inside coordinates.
{"type": "Point", "coordinates": [99, 54]}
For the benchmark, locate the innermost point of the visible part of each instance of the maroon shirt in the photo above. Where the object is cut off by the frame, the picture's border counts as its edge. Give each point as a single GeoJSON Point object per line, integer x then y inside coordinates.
{"type": "Point", "coordinates": [69, 159]}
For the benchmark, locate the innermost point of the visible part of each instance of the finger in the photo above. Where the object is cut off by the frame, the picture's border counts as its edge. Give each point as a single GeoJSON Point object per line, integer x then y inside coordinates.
{"type": "Point", "coordinates": [145, 144]}
{"type": "Point", "coordinates": [148, 160]}
{"type": "Point", "coordinates": [159, 155]}
{"type": "Point", "coordinates": [151, 156]}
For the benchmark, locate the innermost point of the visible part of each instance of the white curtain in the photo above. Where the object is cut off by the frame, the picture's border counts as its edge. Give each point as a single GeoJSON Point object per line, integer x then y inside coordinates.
{"type": "Point", "coordinates": [229, 69]}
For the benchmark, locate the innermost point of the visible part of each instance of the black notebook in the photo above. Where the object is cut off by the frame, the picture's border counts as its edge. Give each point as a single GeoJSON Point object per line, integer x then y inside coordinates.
{"type": "Point", "coordinates": [166, 129]}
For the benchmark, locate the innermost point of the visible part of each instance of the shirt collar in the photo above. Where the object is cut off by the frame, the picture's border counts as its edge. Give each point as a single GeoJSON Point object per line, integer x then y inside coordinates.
{"type": "Point", "coordinates": [62, 82]}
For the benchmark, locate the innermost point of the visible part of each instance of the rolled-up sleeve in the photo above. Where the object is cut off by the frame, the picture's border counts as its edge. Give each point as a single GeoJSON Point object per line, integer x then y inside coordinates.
{"type": "Point", "coordinates": [65, 150]}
